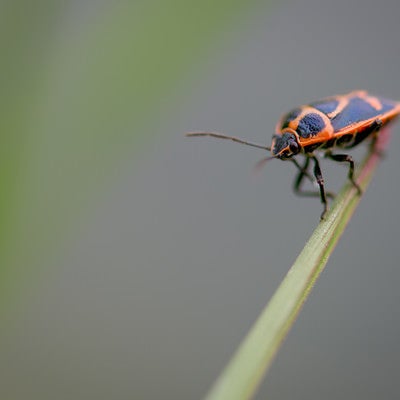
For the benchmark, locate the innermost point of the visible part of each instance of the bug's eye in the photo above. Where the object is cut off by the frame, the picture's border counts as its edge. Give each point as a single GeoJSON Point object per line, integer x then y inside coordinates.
{"type": "Point", "coordinates": [294, 147]}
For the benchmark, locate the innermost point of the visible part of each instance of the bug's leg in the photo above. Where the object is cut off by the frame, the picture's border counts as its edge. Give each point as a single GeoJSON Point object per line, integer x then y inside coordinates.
{"type": "Point", "coordinates": [375, 128]}
{"type": "Point", "coordinates": [297, 184]}
{"type": "Point", "coordinates": [320, 181]}
{"type": "Point", "coordinates": [303, 172]}
{"type": "Point", "coordinates": [348, 159]}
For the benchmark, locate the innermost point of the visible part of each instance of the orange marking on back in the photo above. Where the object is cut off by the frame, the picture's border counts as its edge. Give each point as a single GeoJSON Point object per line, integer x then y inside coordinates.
{"type": "Point", "coordinates": [343, 102]}
{"type": "Point", "coordinates": [374, 102]}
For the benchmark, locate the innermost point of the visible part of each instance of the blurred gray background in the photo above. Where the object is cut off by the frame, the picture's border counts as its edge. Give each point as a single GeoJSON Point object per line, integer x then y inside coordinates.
{"type": "Point", "coordinates": [174, 259]}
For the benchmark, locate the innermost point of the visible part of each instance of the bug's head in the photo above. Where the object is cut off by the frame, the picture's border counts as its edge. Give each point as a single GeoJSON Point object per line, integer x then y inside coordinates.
{"type": "Point", "coordinates": [285, 145]}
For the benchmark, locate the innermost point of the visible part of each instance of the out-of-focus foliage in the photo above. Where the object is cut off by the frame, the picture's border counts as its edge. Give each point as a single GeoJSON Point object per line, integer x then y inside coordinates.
{"type": "Point", "coordinates": [80, 81]}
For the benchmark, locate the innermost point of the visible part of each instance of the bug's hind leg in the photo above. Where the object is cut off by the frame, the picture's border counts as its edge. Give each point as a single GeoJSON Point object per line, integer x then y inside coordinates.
{"type": "Point", "coordinates": [298, 182]}
{"type": "Point", "coordinates": [346, 158]}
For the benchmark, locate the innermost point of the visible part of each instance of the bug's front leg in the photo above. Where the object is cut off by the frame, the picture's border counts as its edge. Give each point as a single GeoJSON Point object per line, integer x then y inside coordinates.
{"type": "Point", "coordinates": [303, 172]}
{"type": "Point", "coordinates": [298, 182]}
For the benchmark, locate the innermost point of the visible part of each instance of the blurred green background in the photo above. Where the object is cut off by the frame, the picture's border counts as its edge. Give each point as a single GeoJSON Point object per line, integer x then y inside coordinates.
{"type": "Point", "coordinates": [134, 260]}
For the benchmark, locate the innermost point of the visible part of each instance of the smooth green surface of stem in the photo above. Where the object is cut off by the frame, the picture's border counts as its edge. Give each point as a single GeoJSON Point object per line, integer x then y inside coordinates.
{"type": "Point", "coordinates": [253, 358]}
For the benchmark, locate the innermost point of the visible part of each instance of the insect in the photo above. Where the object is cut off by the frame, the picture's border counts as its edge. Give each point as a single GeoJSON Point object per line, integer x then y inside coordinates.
{"type": "Point", "coordinates": [341, 121]}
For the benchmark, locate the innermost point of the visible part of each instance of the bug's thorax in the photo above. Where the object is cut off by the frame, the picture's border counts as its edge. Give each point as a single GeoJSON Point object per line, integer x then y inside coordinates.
{"type": "Point", "coordinates": [286, 144]}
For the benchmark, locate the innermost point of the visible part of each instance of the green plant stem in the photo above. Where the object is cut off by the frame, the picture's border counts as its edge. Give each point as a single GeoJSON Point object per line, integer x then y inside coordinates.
{"type": "Point", "coordinates": [244, 373]}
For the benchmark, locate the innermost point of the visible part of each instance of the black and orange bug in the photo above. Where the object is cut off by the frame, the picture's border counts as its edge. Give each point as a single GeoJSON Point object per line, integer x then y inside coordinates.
{"type": "Point", "coordinates": [341, 121]}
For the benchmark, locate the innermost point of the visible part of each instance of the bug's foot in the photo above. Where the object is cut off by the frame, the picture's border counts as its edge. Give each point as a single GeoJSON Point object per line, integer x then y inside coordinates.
{"type": "Point", "coordinates": [322, 217]}
{"type": "Point", "coordinates": [357, 186]}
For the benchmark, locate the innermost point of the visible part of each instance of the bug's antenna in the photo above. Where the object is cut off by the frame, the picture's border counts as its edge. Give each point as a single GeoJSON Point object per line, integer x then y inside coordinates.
{"type": "Point", "coordinates": [260, 164]}
{"type": "Point", "coordinates": [234, 139]}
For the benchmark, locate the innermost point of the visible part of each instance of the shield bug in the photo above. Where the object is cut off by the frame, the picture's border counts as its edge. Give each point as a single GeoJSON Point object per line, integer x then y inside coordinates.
{"type": "Point", "coordinates": [337, 122]}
